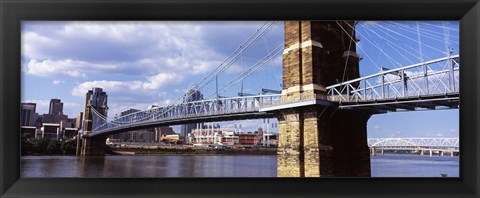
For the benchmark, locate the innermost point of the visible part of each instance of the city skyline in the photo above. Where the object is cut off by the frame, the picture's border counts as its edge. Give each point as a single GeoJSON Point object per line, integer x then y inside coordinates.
{"type": "Point", "coordinates": [153, 63]}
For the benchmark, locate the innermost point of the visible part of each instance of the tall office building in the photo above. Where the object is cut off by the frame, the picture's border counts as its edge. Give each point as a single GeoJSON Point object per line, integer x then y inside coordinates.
{"type": "Point", "coordinates": [29, 116]}
{"type": "Point", "coordinates": [56, 107]}
{"type": "Point", "coordinates": [191, 95]}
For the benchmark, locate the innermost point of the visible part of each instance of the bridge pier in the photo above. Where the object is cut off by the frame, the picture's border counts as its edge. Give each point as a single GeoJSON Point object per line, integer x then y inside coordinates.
{"type": "Point", "coordinates": [94, 146]}
{"type": "Point", "coordinates": [95, 100]}
{"type": "Point", "coordinates": [320, 140]}
{"type": "Point", "coordinates": [314, 145]}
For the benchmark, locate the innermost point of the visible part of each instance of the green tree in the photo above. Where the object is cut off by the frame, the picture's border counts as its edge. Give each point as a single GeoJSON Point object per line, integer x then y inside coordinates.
{"type": "Point", "coordinates": [53, 147]}
{"type": "Point", "coordinates": [68, 147]}
{"type": "Point", "coordinates": [40, 146]}
{"type": "Point", "coordinates": [26, 146]}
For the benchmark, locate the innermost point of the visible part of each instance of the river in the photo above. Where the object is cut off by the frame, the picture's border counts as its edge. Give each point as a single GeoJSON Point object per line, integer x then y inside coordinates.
{"type": "Point", "coordinates": [389, 165]}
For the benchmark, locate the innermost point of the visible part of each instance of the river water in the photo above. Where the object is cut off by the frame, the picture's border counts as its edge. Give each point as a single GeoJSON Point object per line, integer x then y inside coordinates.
{"type": "Point", "coordinates": [389, 165]}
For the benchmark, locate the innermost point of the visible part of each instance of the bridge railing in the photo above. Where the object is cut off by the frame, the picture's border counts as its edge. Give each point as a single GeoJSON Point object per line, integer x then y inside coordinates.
{"type": "Point", "coordinates": [431, 78]}
{"type": "Point", "coordinates": [219, 106]}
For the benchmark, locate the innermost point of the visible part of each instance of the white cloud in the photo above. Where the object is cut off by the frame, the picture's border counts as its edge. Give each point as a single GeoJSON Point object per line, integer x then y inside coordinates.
{"type": "Point", "coordinates": [109, 86]}
{"type": "Point", "coordinates": [376, 127]}
{"type": "Point", "coordinates": [80, 49]}
{"type": "Point", "coordinates": [150, 86]}
{"type": "Point", "coordinates": [57, 82]}
{"type": "Point", "coordinates": [35, 51]}
{"type": "Point", "coordinates": [63, 67]}
{"type": "Point", "coordinates": [162, 79]}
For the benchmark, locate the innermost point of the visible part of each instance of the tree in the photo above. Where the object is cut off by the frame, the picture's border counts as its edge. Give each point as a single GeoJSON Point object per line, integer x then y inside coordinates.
{"type": "Point", "coordinates": [69, 147]}
{"type": "Point", "coordinates": [53, 147]}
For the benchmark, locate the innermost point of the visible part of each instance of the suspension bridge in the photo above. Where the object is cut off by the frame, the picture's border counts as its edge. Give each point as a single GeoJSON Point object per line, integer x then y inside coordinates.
{"type": "Point", "coordinates": [321, 88]}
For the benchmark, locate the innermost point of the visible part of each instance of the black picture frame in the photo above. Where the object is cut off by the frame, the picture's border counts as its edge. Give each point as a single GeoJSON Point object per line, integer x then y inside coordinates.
{"type": "Point", "coordinates": [12, 12]}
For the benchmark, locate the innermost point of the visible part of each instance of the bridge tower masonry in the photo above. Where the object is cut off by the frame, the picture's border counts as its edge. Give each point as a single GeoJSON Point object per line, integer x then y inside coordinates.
{"type": "Point", "coordinates": [95, 98]}
{"type": "Point", "coordinates": [320, 140]}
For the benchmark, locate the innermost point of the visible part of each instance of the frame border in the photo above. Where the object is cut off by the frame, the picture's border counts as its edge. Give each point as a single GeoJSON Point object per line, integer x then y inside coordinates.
{"type": "Point", "coordinates": [12, 12]}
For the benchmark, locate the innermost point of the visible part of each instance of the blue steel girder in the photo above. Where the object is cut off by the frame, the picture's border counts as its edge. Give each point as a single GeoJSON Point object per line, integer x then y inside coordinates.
{"type": "Point", "coordinates": [248, 106]}
{"type": "Point", "coordinates": [411, 82]}
{"type": "Point", "coordinates": [428, 85]}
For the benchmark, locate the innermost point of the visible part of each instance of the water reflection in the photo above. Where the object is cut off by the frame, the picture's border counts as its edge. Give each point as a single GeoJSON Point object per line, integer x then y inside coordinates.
{"type": "Point", "coordinates": [216, 166]}
{"type": "Point", "coordinates": [149, 166]}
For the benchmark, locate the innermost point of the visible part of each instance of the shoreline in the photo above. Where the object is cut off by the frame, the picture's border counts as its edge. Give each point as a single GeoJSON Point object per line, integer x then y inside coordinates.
{"type": "Point", "coordinates": [191, 152]}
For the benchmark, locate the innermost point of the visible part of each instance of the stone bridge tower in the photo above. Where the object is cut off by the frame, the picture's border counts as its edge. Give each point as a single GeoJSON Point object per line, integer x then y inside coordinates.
{"type": "Point", "coordinates": [97, 99]}
{"type": "Point", "coordinates": [320, 139]}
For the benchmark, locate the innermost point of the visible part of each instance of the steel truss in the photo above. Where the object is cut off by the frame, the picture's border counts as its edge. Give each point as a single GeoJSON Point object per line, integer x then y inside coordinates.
{"type": "Point", "coordinates": [427, 85]}
{"type": "Point", "coordinates": [428, 82]}
{"type": "Point", "coordinates": [214, 107]}
{"type": "Point", "coordinates": [432, 143]}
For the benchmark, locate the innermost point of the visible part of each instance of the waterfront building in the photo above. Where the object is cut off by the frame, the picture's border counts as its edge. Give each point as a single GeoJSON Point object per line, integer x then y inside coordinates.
{"type": "Point", "coordinates": [51, 125]}
{"type": "Point", "coordinates": [249, 139]}
{"type": "Point", "coordinates": [28, 131]}
{"type": "Point", "coordinates": [212, 135]}
{"type": "Point", "coordinates": [28, 114]}
{"type": "Point", "coordinates": [54, 118]}
{"type": "Point", "coordinates": [51, 131]}
{"type": "Point", "coordinates": [69, 132]}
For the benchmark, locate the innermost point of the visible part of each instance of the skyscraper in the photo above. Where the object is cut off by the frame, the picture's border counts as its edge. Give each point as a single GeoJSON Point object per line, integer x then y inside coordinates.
{"type": "Point", "coordinates": [29, 116]}
{"type": "Point", "coordinates": [56, 107]}
{"type": "Point", "coordinates": [191, 95]}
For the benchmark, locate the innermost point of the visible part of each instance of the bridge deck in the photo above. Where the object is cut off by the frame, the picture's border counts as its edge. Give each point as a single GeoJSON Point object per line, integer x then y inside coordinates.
{"type": "Point", "coordinates": [183, 120]}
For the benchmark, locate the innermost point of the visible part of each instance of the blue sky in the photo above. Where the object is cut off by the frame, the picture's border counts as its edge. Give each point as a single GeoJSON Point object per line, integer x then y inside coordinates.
{"type": "Point", "coordinates": [144, 63]}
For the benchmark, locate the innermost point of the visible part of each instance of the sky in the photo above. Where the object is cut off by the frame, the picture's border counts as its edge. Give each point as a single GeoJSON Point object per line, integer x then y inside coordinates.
{"type": "Point", "coordinates": [143, 63]}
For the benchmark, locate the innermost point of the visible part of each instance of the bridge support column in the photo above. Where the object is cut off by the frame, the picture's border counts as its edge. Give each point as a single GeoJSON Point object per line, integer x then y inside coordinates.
{"type": "Point", "coordinates": [290, 162]}
{"type": "Point", "coordinates": [320, 140]}
{"type": "Point", "coordinates": [94, 146]}
{"type": "Point", "coordinates": [421, 152]}
{"type": "Point", "coordinates": [323, 142]}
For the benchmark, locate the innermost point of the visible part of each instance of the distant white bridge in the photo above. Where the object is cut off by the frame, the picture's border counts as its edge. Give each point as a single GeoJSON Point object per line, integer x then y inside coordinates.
{"type": "Point", "coordinates": [420, 145]}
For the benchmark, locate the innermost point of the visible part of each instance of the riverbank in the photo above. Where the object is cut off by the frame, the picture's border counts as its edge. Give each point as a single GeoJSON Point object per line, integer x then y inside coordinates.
{"type": "Point", "coordinates": [192, 151]}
